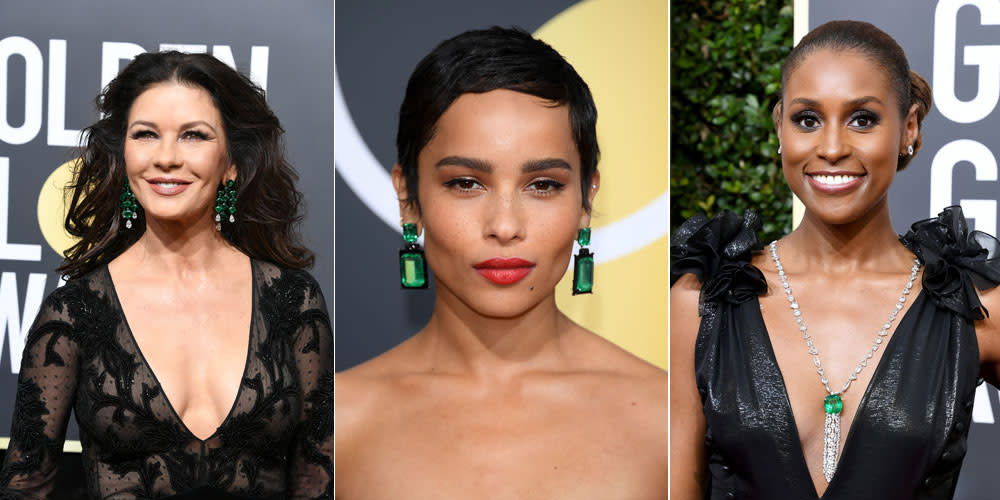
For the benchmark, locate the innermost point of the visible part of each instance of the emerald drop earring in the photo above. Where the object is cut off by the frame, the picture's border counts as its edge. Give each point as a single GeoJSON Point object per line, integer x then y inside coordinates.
{"type": "Point", "coordinates": [583, 265]}
{"type": "Point", "coordinates": [412, 264]}
{"type": "Point", "coordinates": [128, 205]}
{"type": "Point", "coordinates": [225, 203]}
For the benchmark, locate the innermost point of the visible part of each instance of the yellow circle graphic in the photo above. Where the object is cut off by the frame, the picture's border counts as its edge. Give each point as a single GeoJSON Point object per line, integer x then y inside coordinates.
{"type": "Point", "coordinates": [53, 202]}
{"type": "Point", "coordinates": [620, 50]}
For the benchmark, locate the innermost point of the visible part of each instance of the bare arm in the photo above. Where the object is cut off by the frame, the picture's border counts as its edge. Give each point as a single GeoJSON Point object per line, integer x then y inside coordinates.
{"type": "Point", "coordinates": [988, 336]}
{"type": "Point", "coordinates": [687, 422]}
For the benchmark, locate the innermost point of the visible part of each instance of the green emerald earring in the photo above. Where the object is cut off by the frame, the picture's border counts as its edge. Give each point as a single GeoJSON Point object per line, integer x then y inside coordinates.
{"type": "Point", "coordinates": [583, 265]}
{"type": "Point", "coordinates": [128, 205]}
{"type": "Point", "coordinates": [412, 264]}
{"type": "Point", "coordinates": [225, 203]}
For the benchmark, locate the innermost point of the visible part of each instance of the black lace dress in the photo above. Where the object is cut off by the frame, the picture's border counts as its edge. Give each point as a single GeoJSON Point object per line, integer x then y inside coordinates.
{"type": "Point", "coordinates": [276, 442]}
{"type": "Point", "coordinates": [908, 437]}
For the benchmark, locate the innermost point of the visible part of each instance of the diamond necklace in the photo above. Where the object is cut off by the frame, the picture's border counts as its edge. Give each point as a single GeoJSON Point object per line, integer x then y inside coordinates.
{"type": "Point", "coordinates": [832, 403]}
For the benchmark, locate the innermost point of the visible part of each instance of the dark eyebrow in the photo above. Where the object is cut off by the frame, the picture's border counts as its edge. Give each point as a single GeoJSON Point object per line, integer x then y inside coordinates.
{"type": "Point", "coordinates": [189, 125]}
{"type": "Point", "coordinates": [865, 100]}
{"type": "Point", "coordinates": [462, 161]}
{"type": "Point", "coordinates": [803, 100]}
{"type": "Point", "coordinates": [142, 122]}
{"type": "Point", "coordinates": [545, 164]}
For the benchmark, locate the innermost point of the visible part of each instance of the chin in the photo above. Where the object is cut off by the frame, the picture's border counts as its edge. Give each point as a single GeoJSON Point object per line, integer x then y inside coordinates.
{"type": "Point", "coordinates": [498, 303]}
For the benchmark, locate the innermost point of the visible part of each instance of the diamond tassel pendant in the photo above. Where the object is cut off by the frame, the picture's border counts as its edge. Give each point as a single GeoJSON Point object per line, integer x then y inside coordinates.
{"type": "Point", "coordinates": [831, 434]}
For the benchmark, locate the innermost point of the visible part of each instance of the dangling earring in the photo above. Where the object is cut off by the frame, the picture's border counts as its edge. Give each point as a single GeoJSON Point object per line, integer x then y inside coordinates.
{"type": "Point", "coordinates": [583, 265]}
{"type": "Point", "coordinates": [412, 264]}
{"type": "Point", "coordinates": [128, 205]}
{"type": "Point", "coordinates": [225, 203]}
{"type": "Point", "coordinates": [779, 149]}
{"type": "Point", "coordinates": [909, 150]}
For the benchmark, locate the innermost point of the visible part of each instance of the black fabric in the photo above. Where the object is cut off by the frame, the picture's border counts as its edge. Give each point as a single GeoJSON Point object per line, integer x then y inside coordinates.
{"type": "Point", "coordinates": [908, 437]}
{"type": "Point", "coordinates": [277, 440]}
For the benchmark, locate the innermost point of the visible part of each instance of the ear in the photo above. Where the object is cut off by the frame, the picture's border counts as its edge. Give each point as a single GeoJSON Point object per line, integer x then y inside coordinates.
{"type": "Point", "coordinates": [776, 118]}
{"type": "Point", "coordinates": [230, 173]}
{"type": "Point", "coordinates": [408, 212]}
{"type": "Point", "coordinates": [595, 185]}
{"type": "Point", "coordinates": [911, 130]}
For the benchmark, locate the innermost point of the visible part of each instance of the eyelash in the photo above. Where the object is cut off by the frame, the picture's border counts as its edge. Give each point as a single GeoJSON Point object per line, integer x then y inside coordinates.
{"type": "Point", "coordinates": [543, 187]}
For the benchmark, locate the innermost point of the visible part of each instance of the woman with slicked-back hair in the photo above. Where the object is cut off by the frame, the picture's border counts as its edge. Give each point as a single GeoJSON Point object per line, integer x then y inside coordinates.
{"type": "Point", "coordinates": [191, 344]}
{"type": "Point", "coordinates": [500, 395]}
{"type": "Point", "coordinates": [841, 360]}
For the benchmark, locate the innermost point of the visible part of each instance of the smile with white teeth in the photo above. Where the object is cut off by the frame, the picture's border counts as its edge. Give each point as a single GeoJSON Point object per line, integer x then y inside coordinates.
{"type": "Point", "coordinates": [834, 180]}
{"type": "Point", "coordinates": [168, 184]}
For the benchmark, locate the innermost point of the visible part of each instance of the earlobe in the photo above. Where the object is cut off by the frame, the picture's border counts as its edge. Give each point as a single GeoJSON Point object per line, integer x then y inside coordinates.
{"type": "Point", "coordinates": [407, 209]}
{"type": "Point", "coordinates": [595, 185]}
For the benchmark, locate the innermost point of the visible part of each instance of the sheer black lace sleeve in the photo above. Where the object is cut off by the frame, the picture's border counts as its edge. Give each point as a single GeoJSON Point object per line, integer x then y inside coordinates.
{"type": "Point", "coordinates": [311, 474]}
{"type": "Point", "coordinates": [957, 262]}
{"type": "Point", "coordinates": [718, 251]}
{"type": "Point", "coordinates": [46, 388]}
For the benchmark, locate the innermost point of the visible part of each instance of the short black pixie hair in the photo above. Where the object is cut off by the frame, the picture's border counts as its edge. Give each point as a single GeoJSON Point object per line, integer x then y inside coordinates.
{"type": "Point", "coordinates": [479, 61]}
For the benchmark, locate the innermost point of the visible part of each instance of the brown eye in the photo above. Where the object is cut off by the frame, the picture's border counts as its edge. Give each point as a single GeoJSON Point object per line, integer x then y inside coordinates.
{"type": "Point", "coordinates": [463, 184]}
{"type": "Point", "coordinates": [546, 186]}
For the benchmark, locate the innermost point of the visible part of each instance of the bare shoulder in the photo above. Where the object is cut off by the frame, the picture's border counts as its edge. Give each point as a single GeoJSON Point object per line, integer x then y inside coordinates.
{"type": "Point", "coordinates": [361, 391]}
{"type": "Point", "coordinates": [622, 379]}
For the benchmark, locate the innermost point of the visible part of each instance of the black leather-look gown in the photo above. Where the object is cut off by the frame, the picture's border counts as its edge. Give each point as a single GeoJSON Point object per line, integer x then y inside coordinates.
{"type": "Point", "coordinates": [908, 438]}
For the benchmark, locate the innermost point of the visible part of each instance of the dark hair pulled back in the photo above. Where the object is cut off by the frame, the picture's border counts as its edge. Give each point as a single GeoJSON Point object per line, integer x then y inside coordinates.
{"type": "Point", "coordinates": [864, 38]}
{"type": "Point", "coordinates": [483, 60]}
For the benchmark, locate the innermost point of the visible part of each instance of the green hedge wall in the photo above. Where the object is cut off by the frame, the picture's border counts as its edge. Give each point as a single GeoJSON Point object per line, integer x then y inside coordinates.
{"type": "Point", "coordinates": [725, 77]}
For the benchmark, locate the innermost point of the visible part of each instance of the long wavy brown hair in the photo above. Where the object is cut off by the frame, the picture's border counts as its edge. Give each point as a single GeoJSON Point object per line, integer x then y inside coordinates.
{"type": "Point", "coordinates": [268, 206]}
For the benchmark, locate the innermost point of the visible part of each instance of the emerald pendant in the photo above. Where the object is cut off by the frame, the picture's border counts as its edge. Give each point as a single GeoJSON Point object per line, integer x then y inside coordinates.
{"type": "Point", "coordinates": [831, 434]}
{"type": "Point", "coordinates": [583, 272]}
{"type": "Point", "coordinates": [412, 267]}
{"type": "Point", "coordinates": [833, 403]}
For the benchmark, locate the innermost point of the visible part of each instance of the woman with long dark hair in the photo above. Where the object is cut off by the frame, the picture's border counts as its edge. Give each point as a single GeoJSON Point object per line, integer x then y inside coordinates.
{"type": "Point", "coordinates": [842, 360]}
{"type": "Point", "coordinates": [194, 349]}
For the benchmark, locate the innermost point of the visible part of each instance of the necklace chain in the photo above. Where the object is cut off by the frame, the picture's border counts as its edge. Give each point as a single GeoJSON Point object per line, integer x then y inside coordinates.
{"type": "Point", "coordinates": [794, 305]}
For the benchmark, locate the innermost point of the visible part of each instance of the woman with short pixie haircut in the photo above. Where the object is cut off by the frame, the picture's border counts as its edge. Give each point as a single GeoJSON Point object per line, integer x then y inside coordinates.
{"type": "Point", "coordinates": [193, 347]}
{"type": "Point", "coordinates": [500, 395]}
{"type": "Point", "coordinates": [841, 360]}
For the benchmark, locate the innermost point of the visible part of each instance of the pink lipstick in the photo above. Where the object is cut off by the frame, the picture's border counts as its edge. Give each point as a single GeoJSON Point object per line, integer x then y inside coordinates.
{"type": "Point", "coordinates": [504, 271]}
{"type": "Point", "coordinates": [165, 186]}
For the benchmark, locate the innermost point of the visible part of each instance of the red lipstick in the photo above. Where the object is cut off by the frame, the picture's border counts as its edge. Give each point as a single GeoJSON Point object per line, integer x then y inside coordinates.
{"type": "Point", "coordinates": [504, 271]}
{"type": "Point", "coordinates": [165, 186]}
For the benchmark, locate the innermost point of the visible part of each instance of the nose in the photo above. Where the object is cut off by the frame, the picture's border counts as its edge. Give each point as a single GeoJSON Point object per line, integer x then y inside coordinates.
{"type": "Point", "coordinates": [505, 220]}
{"type": "Point", "coordinates": [167, 154]}
{"type": "Point", "coordinates": [834, 145]}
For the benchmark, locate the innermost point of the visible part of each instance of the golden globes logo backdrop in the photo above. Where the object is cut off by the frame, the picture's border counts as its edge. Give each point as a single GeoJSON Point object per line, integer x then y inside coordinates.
{"type": "Point", "coordinates": [56, 56]}
{"type": "Point", "coordinates": [618, 47]}
{"type": "Point", "coordinates": [955, 45]}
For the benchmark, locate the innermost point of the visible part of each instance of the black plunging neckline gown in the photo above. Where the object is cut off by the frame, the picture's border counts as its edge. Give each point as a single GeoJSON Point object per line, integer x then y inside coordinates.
{"type": "Point", "coordinates": [908, 437]}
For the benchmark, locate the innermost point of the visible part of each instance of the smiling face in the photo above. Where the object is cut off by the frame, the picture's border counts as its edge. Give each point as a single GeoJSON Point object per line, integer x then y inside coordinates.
{"type": "Point", "coordinates": [175, 153]}
{"type": "Point", "coordinates": [500, 200]}
{"type": "Point", "coordinates": [841, 134]}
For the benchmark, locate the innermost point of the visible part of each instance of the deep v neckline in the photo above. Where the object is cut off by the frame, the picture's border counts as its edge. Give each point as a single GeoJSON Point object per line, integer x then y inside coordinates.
{"type": "Point", "coordinates": [156, 380]}
{"type": "Point", "coordinates": [887, 347]}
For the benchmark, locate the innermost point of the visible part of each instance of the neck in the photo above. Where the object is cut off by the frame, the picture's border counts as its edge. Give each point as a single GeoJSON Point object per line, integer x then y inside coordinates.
{"type": "Point", "coordinates": [171, 246]}
{"type": "Point", "coordinates": [869, 242]}
{"type": "Point", "coordinates": [460, 339]}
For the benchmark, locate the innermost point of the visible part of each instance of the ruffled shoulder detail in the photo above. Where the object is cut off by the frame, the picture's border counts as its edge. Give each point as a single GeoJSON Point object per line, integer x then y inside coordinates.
{"type": "Point", "coordinates": [957, 262]}
{"type": "Point", "coordinates": [718, 252]}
